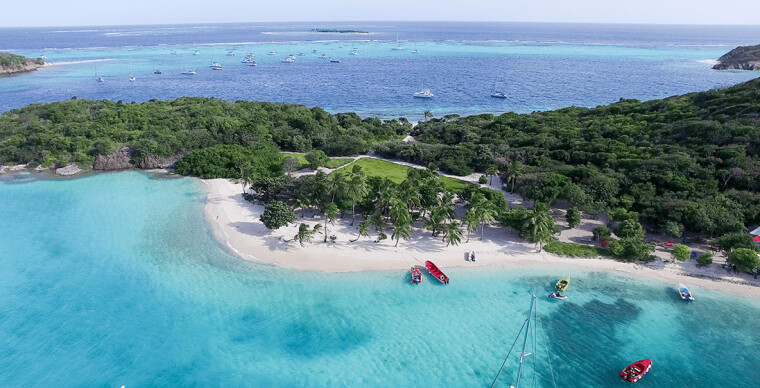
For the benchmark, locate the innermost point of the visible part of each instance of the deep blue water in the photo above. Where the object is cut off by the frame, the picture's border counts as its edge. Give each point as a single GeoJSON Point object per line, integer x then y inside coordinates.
{"type": "Point", "coordinates": [540, 66]}
{"type": "Point", "coordinates": [114, 280]}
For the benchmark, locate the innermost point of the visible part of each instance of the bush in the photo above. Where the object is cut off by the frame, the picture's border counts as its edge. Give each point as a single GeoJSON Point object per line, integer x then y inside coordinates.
{"type": "Point", "coordinates": [574, 250]}
{"type": "Point", "coordinates": [482, 180]}
{"type": "Point", "coordinates": [601, 233]}
{"type": "Point", "coordinates": [630, 249]}
{"type": "Point", "coordinates": [681, 252]}
{"type": "Point", "coordinates": [573, 217]}
{"type": "Point", "coordinates": [316, 158]}
{"type": "Point", "coordinates": [672, 228]}
{"type": "Point", "coordinates": [277, 214]}
{"type": "Point", "coordinates": [745, 259]}
{"type": "Point", "coordinates": [705, 259]}
{"type": "Point", "coordinates": [231, 161]}
{"type": "Point", "coordinates": [630, 229]}
{"type": "Point", "coordinates": [735, 240]}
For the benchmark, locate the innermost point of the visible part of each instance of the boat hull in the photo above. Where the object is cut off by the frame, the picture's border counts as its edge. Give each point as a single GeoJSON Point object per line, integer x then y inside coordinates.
{"type": "Point", "coordinates": [636, 371]}
{"type": "Point", "coordinates": [437, 273]}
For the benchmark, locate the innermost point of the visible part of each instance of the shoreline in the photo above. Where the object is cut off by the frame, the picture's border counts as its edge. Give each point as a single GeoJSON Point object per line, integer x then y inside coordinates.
{"type": "Point", "coordinates": [234, 223]}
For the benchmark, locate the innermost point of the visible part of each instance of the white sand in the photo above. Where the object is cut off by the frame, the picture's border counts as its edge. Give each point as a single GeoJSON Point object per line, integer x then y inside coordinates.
{"type": "Point", "coordinates": [235, 223]}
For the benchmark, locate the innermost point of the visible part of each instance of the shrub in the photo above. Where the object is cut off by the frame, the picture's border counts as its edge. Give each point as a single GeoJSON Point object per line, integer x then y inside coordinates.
{"type": "Point", "coordinates": [316, 158]}
{"type": "Point", "coordinates": [672, 228]}
{"type": "Point", "coordinates": [574, 250]}
{"type": "Point", "coordinates": [745, 259]}
{"type": "Point", "coordinates": [601, 233]}
{"type": "Point", "coordinates": [735, 240]}
{"type": "Point", "coordinates": [630, 229]}
{"type": "Point", "coordinates": [705, 259]}
{"type": "Point", "coordinates": [482, 180]}
{"type": "Point", "coordinates": [630, 249]}
{"type": "Point", "coordinates": [573, 217]}
{"type": "Point", "coordinates": [681, 252]}
{"type": "Point", "coordinates": [277, 214]}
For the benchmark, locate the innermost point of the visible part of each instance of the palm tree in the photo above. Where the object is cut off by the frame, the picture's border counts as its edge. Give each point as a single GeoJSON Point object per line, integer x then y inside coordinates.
{"type": "Point", "coordinates": [330, 212]}
{"type": "Point", "coordinates": [401, 229]}
{"type": "Point", "coordinates": [337, 185]}
{"type": "Point", "coordinates": [363, 229]}
{"type": "Point", "coordinates": [446, 205]}
{"type": "Point", "coordinates": [434, 221]}
{"type": "Point", "coordinates": [246, 176]}
{"type": "Point", "coordinates": [356, 189]}
{"type": "Point", "coordinates": [484, 211]}
{"type": "Point", "coordinates": [539, 226]}
{"type": "Point", "coordinates": [492, 170]}
{"type": "Point", "coordinates": [453, 233]}
{"type": "Point", "coordinates": [384, 199]}
{"type": "Point", "coordinates": [514, 171]}
{"type": "Point", "coordinates": [399, 212]}
{"type": "Point", "coordinates": [428, 114]}
{"type": "Point", "coordinates": [471, 222]}
{"type": "Point", "coordinates": [304, 234]}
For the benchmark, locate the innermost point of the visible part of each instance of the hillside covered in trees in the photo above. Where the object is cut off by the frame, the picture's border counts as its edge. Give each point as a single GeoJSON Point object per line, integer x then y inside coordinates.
{"type": "Point", "coordinates": [688, 161]}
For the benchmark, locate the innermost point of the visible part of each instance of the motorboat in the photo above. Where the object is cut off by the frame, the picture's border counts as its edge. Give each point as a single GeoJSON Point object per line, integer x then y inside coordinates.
{"type": "Point", "coordinates": [196, 52]}
{"type": "Point", "coordinates": [288, 60]}
{"type": "Point", "coordinates": [471, 256]}
{"type": "Point", "coordinates": [188, 72]}
{"type": "Point", "coordinates": [684, 292]}
{"type": "Point", "coordinates": [636, 371]}
{"type": "Point", "coordinates": [557, 295]}
{"type": "Point", "coordinates": [100, 79]}
{"type": "Point", "coordinates": [433, 269]}
{"type": "Point", "coordinates": [416, 51]}
{"type": "Point", "coordinates": [217, 67]}
{"type": "Point", "coordinates": [230, 53]}
{"type": "Point", "coordinates": [416, 275]}
{"type": "Point", "coordinates": [499, 95]}
{"type": "Point", "coordinates": [324, 56]}
{"type": "Point", "coordinates": [214, 64]}
{"type": "Point", "coordinates": [251, 63]}
{"type": "Point", "coordinates": [156, 71]}
{"type": "Point", "coordinates": [131, 78]}
{"type": "Point", "coordinates": [425, 93]}
{"type": "Point", "coordinates": [335, 61]}
{"type": "Point", "coordinates": [562, 284]}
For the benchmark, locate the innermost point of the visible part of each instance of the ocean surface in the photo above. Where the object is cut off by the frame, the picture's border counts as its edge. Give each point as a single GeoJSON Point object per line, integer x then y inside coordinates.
{"type": "Point", "coordinates": [539, 66]}
{"type": "Point", "coordinates": [114, 279]}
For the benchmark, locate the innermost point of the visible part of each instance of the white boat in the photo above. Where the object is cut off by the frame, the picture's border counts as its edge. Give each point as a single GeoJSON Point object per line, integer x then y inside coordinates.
{"type": "Point", "coordinates": [301, 54]}
{"type": "Point", "coordinates": [188, 72]}
{"type": "Point", "coordinates": [157, 71]}
{"type": "Point", "coordinates": [324, 56]}
{"type": "Point", "coordinates": [217, 67]}
{"type": "Point", "coordinates": [499, 95]}
{"type": "Point", "coordinates": [416, 51]}
{"type": "Point", "coordinates": [196, 52]}
{"type": "Point", "coordinates": [425, 93]}
{"type": "Point", "coordinates": [99, 79]}
{"type": "Point", "coordinates": [288, 60]}
{"type": "Point", "coordinates": [231, 53]}
{"type": "Point", "coordinates": [131, 78]}
{"type": "Point", "coordinates": [251, 63]}
{"type": "Point", "coordinates": [214, 64]}
{"type": "Point", "coordinates": [684, 292]}
{"type": "Point", "coordinates": [335, 60]}
{"type": "Point", "coordinates": [398, 46]}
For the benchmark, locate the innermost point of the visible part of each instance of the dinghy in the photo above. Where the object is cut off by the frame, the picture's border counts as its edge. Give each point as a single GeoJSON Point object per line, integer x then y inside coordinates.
{"type": "Point", "coordinates": [636, 371]}
{"type": "Point", "coordinates": [416, 276]}
{"type": "Point", "coordinates": [684, 292]}
{"type": "Point", "coordinates": [557, 295]}
{"type": "Point", "coordinates": [433, 269]}
{"type": "Point", "coordinates": [563, 284]}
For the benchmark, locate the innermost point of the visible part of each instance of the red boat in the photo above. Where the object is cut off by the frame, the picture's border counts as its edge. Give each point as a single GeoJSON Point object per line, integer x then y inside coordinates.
{"type": "Point", "coordinates": [416, 275]}
{"type": "Point", "coordinates": [636, 371]}
{"type": "Point", "coordinates": [433, 269]}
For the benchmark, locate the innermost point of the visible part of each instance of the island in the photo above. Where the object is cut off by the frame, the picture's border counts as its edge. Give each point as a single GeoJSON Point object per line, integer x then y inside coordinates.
{"type": "Point", "coordinates": [338, 31]}
{"type": "Point", "coordinates": [740, 58]}
{"type": "Point", "coordinates": [11, 64]}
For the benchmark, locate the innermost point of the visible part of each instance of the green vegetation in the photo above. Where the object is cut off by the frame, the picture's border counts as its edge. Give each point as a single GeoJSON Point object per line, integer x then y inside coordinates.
{"type": "Point", "coordinates": [681, 252]}
{"type": "Point", "coordinates": [8, 60]}
{"type": "Point", "coordinates": [705, 259]}
{"type": "Point", "coordinates": [733, 241]}
{"type": "Point", "coordinates": [277, 214]}
{"type": "Point", "coordinates": [397, 173]}
{"type": "Point", "coordinates": [689, 161]}
{"type": "Point", "coordinates": [573, 217]}
{"type": "Point", "coordinates": [231, 161]}
{"type": "Point", "coordinates": [331, 163]}
{"type": "Point", "coordinates": [744, 259]}
{"type": "Point", "coordinates": [77, 130]}
{"type": "Point", "coordinates": [575, 250]}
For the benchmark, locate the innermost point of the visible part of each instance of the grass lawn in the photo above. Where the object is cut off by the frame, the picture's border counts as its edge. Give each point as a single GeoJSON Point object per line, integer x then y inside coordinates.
{"type": "Point", "coordinates": [302, 163]}
{"type": "Point", "coordinates": [575, 250]}
{"type": "Point", "coordinates": [397, 173]}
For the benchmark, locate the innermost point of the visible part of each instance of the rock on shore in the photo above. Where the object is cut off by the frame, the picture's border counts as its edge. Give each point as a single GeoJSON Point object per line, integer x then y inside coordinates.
{"type": "Point", "coordinates": [123, 159]}
{"type": "Point", "coordinates": [740, 58]}
{"type": "Point", "coordinates": [71, 169]}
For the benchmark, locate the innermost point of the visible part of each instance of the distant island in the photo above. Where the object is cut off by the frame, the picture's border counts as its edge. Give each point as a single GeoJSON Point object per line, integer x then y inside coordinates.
{"type": "Point", "coordinates": [740, 58]}
{"type": "Point", "coordinates": [336, 31]}
{"type": "Point", "coordinates": [11, 64]}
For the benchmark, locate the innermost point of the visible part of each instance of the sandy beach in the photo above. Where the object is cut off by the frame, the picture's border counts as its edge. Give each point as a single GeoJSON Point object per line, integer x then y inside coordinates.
{"type": "Point", "coordinates": [235, 223]}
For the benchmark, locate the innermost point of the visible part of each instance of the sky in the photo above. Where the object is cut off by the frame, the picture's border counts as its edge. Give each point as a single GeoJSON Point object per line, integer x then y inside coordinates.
{"type": "Point", "coordinates": [40, 13]}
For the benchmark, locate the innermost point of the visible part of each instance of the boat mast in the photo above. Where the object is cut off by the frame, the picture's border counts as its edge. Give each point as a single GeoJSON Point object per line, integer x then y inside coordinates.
{"type": "Point", "coordinates": [525, 342]}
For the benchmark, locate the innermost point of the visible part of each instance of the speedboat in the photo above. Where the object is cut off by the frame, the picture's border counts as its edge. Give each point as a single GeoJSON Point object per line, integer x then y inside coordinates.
{"type": "Point", "coordinates": [433, 269]}
{"type": "Point", "coordinates": [684, 292]}
{"type": "Point", "coordinates": [426, 93]}
{"type": "Point", "coordinates": [636, 371]}
{"type": "Point", "coordinates": [499, 95]}
{"type": "Point", "coordinates": [416, 275]}
{"type": "Point", "coordinates": [557, 295]}
{"type": "Point", "coordinates": [131, 78]}
{"type": "Point", "coordinates": [100, 79]}
{"type": "Point", "coordinates": [288, 60]}
{"type": "Point", "coordinates": [217, 67]}
{"type": "Point", "coordinates": [156, 71]}
{"type": "Point", "coordinates": [188, 72]}
{"type": "Point", "coordinates": [471, 256]}
{"type": "Point", "coordinates": [335, 60]}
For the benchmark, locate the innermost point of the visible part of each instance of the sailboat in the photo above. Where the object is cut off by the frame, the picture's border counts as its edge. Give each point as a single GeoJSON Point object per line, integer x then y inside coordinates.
{"type": "Point", "coordinates": [131, 73]}
{"type": "Point", "coordinates": [398, 46]}
{"type": "Point", "coordinates": [97, 77]}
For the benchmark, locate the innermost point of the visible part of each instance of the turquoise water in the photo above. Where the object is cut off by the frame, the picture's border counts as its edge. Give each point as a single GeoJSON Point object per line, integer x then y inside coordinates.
{"type": "Point", "coordinates": [114, 280]}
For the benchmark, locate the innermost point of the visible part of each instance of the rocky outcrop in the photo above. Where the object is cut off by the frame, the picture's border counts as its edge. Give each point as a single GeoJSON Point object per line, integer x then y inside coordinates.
{"type": "Point", "coordinates": [740, 58]}
{"type": "Point", "coordinates": [121, 159]}
{"type": "Point", "coordinates": [11, 64]}
{"type": "Point", "coordinates": [150, 162]}
{"type": "Point", "coordinates": [71, 169]}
